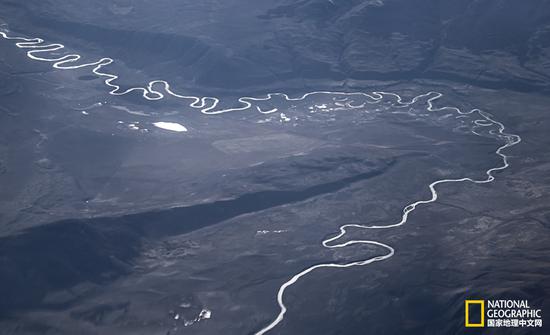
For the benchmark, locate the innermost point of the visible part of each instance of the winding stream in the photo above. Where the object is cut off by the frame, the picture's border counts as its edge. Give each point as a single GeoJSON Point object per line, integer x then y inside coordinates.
{"type": "Point", "coordinates": [480, 123]}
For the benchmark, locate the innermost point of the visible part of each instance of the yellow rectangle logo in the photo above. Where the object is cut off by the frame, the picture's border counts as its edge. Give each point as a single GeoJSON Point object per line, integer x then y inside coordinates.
{"type": "Point", "coordinates": [467, 322]}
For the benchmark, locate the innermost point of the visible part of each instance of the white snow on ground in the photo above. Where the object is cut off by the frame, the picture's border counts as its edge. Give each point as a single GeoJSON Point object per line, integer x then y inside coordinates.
{"type": "Point", "coordinates": [170, 126]}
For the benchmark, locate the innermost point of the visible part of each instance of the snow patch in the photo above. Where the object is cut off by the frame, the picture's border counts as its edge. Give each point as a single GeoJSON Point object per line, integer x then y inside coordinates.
{"type": "Point", "coordinates": [172, 126]}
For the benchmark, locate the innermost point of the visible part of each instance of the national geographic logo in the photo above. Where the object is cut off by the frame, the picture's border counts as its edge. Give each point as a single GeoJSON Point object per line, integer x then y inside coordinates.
{"type": "Point", "coordinates": [501, 314]}
{"type": "Point", "coordinates": [480, 320]}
